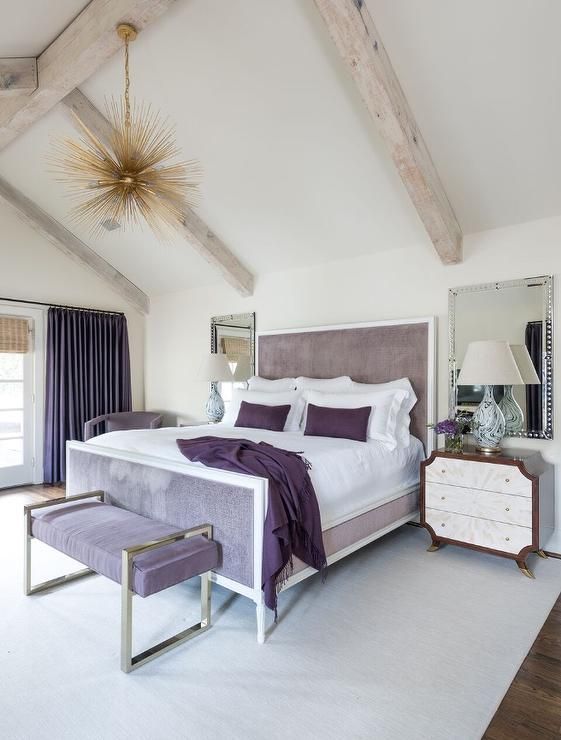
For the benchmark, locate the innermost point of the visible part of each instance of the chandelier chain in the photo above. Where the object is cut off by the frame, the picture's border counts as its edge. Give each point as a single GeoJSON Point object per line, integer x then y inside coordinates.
{"type": "Point", "coordinates": [127, 85]}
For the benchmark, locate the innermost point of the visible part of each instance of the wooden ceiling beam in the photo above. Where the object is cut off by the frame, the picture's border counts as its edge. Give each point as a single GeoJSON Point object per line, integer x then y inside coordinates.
{"type": "Point", "coordinates": [18, 76]}
{"type": "Point", "coordinates": [81, 49]}
{"type": "Point", "coordinates": [358, 42]}
{"type": "Point", "coordinates": [194, 229]}
{"type": "Point", "coordinates": [62, 239]}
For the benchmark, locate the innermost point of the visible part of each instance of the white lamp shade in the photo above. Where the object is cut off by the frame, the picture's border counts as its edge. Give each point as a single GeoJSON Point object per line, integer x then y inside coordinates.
{"type": "Point", "coordinates": [215, 367]}
{"type": "Point", "coordinates": [489, 363]}
{"type": "Point", "coordinates": [243, 369]}
{"type": "Point", "coordinates": [525, 364]}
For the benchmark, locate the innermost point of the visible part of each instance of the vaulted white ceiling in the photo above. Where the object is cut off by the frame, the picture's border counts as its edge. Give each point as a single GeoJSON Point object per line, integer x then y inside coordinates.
{"type": "Point", "coordinates": [484, 80]}
{"type": "Point", "coordinates": [29, 26]}
{"type": "Point", "coordinates": [295, 173]}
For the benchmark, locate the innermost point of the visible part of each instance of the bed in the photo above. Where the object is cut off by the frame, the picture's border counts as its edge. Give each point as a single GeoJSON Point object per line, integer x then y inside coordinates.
{"type": "Point", "coordinates": [363, 490]}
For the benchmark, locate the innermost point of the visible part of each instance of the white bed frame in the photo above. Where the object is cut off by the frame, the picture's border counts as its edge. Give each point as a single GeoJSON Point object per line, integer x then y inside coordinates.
{"type": "Point", "coordinates": [258, 486]}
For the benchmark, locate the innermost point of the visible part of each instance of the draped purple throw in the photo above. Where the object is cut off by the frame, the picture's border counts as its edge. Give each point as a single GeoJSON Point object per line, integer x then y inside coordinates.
{"type": "Point", "coordinates": [292, 524]}
{"type": "Point", "coordinates": [88, 374]}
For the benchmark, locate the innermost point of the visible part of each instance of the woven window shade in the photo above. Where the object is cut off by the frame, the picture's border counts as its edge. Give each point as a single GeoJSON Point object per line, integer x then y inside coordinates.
{"type": "Point", "coordinates": [14, 334]}
{"type": "Point", "coordinates": [235, 346]}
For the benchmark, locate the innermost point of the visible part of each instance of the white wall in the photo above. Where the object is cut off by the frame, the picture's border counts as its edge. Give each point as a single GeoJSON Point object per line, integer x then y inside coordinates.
{"type": "Point", "coordinates": [396, 284]}
{"type": "Point", "coordinates": [33, 269]}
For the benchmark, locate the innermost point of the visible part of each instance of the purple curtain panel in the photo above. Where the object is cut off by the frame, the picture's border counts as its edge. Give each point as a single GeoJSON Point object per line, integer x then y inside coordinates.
{"type": "Point", "coordinates": [88, 374]}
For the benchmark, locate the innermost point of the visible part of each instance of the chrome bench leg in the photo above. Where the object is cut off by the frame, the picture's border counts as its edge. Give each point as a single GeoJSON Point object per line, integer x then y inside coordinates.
{"type": "Point", "coordinates": [28, 589]}
{"type": "Point", "coordinates": [130, 662]}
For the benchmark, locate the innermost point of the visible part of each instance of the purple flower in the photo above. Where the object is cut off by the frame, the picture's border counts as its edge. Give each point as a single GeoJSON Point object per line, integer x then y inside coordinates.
{"type": "Point", "coordinates": [448, 426]}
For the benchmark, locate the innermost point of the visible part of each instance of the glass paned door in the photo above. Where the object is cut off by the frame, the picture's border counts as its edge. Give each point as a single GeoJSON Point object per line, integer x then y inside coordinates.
{"type": "Point", "coordinates": [16, 419]}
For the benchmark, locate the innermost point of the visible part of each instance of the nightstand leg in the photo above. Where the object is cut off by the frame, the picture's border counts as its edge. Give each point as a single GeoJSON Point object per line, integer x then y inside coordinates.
{"type": "Point", "coordinates": [542, 554]}
{"type": "Point", "coordinates": [524, 568]}
{"type": "Point", "coordinates": [434, 547]}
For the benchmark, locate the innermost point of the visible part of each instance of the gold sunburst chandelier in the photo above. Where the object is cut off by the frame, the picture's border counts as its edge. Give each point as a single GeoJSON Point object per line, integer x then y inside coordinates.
{"type": "Point", "coordinates": [130, 179]}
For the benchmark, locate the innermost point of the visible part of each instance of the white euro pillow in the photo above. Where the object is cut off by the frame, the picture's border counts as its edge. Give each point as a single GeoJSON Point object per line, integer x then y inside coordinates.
{"type": "Point", "coordinates": [403, 418]}
{"type": "Point", "coordinates": [385, 408]}
{"type": "Point", "coordinates": [325, 385]}
{"type": "Point", "coordinates": [294, 398]}
{"type": "Point", "coordinates": [257, 383]}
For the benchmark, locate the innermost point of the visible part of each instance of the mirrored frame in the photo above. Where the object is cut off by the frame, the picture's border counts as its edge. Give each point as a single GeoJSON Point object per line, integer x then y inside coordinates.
{"type": "Point", "coordinates": [238, 322]}
{"type": "Point", "coordinates": [546, 283]}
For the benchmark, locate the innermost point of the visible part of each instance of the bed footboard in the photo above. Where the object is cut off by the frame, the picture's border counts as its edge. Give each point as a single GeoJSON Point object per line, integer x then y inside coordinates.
{"type": "Point", "coordinates": [177, 497]}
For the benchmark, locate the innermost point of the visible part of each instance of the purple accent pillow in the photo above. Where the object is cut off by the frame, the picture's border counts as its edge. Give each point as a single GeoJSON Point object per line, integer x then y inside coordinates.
{"type": "Point", "coordinates": [258, 416]}
{"type": "Point", "coordinates": [323, 421]}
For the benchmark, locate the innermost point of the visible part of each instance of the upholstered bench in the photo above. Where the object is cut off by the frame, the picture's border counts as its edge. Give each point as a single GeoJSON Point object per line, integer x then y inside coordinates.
{"type": "Point", "coordinates": [143, 555]}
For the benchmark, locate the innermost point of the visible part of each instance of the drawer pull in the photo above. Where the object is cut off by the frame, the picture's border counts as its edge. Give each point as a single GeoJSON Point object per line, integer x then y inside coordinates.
{"type": "Point", "coordinates": [507, 539]}
{"type": "Point", "coordinates": [507, 480]}
{"type": "Point", "coordinates": [443, 525]}
{"type": "Point", "coordinates": [507, 508]}
{"type": "Point", "coordinates": [443, 471]}
{"type": "Point", "coordinates": [443, 498]}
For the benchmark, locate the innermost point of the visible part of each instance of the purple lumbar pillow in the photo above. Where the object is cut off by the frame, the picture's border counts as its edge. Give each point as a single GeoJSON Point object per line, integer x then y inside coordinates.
{"type": "Point", "coordinates": [258, 416]}
{"type": "Point", "coordinates": [323, 421]}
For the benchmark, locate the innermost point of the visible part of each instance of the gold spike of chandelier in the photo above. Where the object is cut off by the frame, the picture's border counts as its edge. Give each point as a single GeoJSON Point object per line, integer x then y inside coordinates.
{"type": "Point", "coordinates": [131, 179]}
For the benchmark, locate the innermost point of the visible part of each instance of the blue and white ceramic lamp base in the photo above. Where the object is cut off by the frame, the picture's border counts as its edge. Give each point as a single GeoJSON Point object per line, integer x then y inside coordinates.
{"type": "Point", "coordinates": [215, 405]}
{"type": "Point", "coordinates": [488, 424]}
{"type": "Point", "coordinates": [513, 414]}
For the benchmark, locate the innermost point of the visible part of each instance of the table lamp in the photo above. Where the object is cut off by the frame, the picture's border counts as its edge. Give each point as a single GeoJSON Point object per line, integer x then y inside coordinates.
{"type": "Point", "coordinates": [489, 363]}
{"type": "Point", "coordinates": [215, 368]}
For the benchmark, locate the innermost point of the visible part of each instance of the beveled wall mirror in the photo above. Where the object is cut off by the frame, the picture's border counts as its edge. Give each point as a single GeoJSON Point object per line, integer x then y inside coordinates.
{"type": "Point", "coordinates": [234, 336]}
{"type": "Point", "coordinates": [521, 313]}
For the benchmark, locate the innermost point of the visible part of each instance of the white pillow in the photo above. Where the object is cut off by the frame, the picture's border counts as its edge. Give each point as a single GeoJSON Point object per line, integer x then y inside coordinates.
{"type": "Point", "coordinates": [294, 398]}
{"type": "Point", "coordinates": [386, 405]}
{"type": "Point", "coordinates": [256, 383]}
{"type": "Point", "coordinates": [325, 385]}
{"type": "Point", "coordinates": [403, 435]}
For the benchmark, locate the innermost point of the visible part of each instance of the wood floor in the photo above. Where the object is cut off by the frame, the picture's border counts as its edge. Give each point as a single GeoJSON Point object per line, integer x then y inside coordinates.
{"type": "Point", "coordinates": [531, 709]}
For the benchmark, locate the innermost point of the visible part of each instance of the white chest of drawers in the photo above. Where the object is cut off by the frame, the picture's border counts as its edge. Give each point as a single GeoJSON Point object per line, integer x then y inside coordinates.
{"type": "Point", "coordinates": [503, 504]}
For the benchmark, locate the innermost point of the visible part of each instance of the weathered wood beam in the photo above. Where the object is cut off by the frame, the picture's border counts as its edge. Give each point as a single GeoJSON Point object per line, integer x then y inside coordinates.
{"type": "Point", "coordinates": [358, 42]}
{"type": "Point", "coordinates": [18, 76]}
{"type": "Point", "coordinates": [216, 253]}
{"type": "Point", "coordinates": [86, 112]}
{"type": "Point", "coordinates": [64, 240]}
{"type": "Point", "coordinates": [88, 42]}
{"type": "Point", "coordinates": [194, 229]}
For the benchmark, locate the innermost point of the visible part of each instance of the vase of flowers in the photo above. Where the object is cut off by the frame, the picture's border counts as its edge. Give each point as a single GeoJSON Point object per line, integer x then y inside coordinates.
{"type": "Point", "coordinates": [453, 431]}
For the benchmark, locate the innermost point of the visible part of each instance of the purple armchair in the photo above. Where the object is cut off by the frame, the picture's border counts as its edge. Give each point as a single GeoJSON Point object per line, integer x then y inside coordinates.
{"type": "Point", "coordinates": [122, 420]}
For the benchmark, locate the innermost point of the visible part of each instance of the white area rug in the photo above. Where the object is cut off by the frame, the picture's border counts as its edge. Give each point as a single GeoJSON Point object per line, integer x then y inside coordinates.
{"type": "Point", "coordinates": [398, 643]}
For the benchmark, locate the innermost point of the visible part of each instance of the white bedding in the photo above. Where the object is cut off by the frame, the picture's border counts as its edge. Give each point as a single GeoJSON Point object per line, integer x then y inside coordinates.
{"type": "Point", "coordinates": [349, 477]}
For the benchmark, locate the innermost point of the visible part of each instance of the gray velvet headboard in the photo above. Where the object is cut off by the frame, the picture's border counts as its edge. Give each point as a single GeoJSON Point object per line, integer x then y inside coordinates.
{"type": "Point", "coordinates": [369, 353]}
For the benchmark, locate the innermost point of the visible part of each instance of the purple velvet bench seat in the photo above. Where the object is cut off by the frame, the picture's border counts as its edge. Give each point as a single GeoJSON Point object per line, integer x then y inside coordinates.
{"type": "Point", "coordinates": [143, 555]}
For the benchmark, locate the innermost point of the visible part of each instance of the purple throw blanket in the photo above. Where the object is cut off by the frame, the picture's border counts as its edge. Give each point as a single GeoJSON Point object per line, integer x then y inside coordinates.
{"type": "Point", "coordinates": [292, 524]}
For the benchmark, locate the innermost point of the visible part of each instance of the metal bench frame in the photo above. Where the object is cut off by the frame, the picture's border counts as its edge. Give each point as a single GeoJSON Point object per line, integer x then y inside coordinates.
{"type": "Point", "coordinates": [129, 662]}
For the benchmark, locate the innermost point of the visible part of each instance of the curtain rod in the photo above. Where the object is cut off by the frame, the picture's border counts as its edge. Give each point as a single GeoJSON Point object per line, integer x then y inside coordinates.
{"type": "Point", "coordinates": [59, 305]}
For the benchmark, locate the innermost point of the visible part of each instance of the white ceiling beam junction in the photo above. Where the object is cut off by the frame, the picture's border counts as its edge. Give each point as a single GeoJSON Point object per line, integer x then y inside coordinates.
{"type": "Point", "coordinates": [80, 50]}
{"type": "Point", "coordinates": [18, 76]}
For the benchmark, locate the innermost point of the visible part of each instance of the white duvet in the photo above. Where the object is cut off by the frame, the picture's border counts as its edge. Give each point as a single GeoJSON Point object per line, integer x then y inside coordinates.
{"type": "Point", "coordinates": [349, 477]}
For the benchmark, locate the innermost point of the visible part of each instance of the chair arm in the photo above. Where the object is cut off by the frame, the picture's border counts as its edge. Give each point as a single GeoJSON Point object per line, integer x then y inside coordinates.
{"type": "Point", "coordinates": [156, 423]}
{"type": "Point", "coordinates": [89, 426]}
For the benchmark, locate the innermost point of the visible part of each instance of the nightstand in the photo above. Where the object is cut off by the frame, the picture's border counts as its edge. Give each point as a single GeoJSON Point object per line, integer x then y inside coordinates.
{"type": "Point", "coordinates": [501, 504]}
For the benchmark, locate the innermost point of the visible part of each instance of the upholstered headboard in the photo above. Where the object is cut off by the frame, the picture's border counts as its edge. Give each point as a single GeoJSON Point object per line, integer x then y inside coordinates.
{"type": "Point", "coordinates": [370, 353]}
